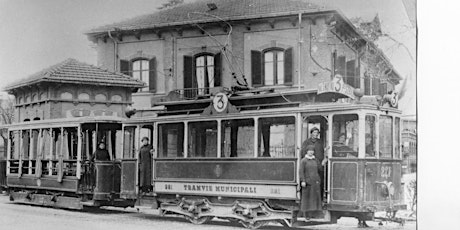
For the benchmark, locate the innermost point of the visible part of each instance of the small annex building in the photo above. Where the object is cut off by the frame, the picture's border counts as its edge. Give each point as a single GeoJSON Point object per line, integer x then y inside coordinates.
{"type": "Point", "coordinates": [72, 89]}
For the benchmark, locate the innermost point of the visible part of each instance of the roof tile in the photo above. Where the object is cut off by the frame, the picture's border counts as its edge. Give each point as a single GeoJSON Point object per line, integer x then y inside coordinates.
{"type": "Point", "coordinates": [73, 71]}
{"type": "Point", "coordinates": [199, 12]}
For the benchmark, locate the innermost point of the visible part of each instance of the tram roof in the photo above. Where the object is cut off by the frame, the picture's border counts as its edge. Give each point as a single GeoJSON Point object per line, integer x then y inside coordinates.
{"type": "Point", "coordinates": [326, 107]}
{"type": "Point", "coordinates": [64, 122]}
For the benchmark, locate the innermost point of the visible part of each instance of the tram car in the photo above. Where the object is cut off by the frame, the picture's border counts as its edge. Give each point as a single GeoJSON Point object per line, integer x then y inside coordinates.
{"type": "Point", "coordinates": [236, 156]}
{"type": "Point", "coordinates": [51, 163]}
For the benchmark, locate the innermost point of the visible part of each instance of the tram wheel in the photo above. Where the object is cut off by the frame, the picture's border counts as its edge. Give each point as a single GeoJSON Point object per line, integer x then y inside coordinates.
{"type": "Point", "coordinates": [253, 225]}
{"type": "Point", "coordinates": [199, 220]}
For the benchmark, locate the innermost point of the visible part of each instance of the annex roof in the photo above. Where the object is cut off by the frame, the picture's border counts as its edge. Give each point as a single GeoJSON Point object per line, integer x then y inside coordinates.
{"type": "Point", "coordinates": [199, 12]}
{"type": "Point", "coordinates": [75, 72]}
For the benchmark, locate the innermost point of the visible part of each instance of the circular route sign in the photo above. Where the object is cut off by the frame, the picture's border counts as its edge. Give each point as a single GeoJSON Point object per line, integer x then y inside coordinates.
{"type": "Point", "coordinates": [220, 102]}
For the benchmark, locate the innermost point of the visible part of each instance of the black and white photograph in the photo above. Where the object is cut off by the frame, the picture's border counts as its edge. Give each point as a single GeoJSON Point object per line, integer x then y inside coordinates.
{"type": "Point", "coordinates": [216, 114]}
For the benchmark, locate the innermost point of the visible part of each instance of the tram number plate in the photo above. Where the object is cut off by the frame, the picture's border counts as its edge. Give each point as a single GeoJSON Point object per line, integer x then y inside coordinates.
{"type": "Point", "coordinates": [385, 171]}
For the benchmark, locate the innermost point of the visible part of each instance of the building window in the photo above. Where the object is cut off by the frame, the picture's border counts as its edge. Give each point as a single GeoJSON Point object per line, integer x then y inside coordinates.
{"type": "Point", "coordinates": [201, 72]}
{"type": "Point", "coordinates": [272, 66]}
{"type": "Point", "coordinates": [143, 70]}
{"type": "Point", "coordinates": [348, 69]}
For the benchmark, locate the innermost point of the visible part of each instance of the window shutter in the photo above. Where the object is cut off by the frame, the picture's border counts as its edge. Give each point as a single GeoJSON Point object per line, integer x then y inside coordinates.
{"type": "Point", "coordinates": [256, 67]}
{"type": "Point", "coordinates": [341, 67]}
{"type": "Point", "coordinates": [367, 84]}
{"type": "Point", "coordinates": [152, 74]}
{"type": "Point", "coordinates": [188, 76]}
{"type": "Point", "coordinates": [125, 68]}
{"type": "Point", "coordinates": [383, 88]}
{"type": "Point", "coordinates": [351, 73]}
{"type": "Point", "coordinates": [217, 70]}
{"type": "Point", "coordinates": [288, 66]}
{"type": "Point", "coordinates": [375, 86]}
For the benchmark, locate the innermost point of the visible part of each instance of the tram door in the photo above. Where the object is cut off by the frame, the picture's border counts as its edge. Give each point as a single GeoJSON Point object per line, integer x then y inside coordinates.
{"type": "Point", "coordinates": [136, 165]}
{"type": "Point", "coordinates": [314, 132]}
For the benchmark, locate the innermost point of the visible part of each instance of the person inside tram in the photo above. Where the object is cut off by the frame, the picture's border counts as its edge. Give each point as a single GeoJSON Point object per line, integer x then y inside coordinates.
{"type": "Point", "coordinates": [341, 149]}
{"type": "Point", "coordinates": [310, 182]}
{"type": "Point", "coordinates": [145, 165]}
{"type": "Point", "coordinates": [370, 151]}
{"type": "Point", "coordinates": [101, 154]}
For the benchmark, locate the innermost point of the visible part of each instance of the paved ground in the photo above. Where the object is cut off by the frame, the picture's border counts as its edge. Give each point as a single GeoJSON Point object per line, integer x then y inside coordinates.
{"type": "Point", "coordinates": [26, 217]}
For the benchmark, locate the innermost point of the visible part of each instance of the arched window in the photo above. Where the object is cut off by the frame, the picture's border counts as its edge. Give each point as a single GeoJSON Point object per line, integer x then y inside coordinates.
{"type": "Point", "coordinates": [141, 69]}
{"type": "Point", "coordinates": [272, 66]}
{"type": "Point", "coordinates": [201, 72]}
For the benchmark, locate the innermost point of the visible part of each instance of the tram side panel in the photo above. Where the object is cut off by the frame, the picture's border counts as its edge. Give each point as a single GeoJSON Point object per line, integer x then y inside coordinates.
{"type": "Point", "coordinates": [364, 186]}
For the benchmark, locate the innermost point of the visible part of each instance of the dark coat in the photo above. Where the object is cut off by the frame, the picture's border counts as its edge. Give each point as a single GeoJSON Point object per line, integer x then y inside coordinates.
{"type": "Point", "coordinates": [145, 159]}
{"type": "Point", "coordinates": [101, 155]}
{"type": "Point", "coordinates": [319, 148]}
{"type": "Point", "coordinates": [311, 194]}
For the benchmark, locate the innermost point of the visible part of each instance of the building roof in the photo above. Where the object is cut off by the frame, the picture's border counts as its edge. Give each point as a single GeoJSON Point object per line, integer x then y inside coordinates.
{"type": "Point", "coordinates": [199, 12]}
{"type": "Point", "coordinates": [75, 72]}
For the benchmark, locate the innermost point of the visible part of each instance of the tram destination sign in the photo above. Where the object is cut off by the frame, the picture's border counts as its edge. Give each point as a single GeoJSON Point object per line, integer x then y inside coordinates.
{"type": "Point", "coordinates": [337, 85]}
{"type": "Point", "coordinates": [220, 189]}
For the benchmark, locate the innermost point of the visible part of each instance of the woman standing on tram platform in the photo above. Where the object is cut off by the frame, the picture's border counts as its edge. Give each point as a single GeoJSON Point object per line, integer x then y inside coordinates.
{"type": "Point", "coordinates": [145, 160]}
{"type": "Point", "coordinates": [310, 182]}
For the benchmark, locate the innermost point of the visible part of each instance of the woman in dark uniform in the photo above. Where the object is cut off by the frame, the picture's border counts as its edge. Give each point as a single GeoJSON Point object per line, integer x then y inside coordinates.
{"type": "Point", "coordinates": [310, 182]}
{"type": "Point", "coordinates": [145, 165]}
{"type": "Point", "coordinates": [101, 154]}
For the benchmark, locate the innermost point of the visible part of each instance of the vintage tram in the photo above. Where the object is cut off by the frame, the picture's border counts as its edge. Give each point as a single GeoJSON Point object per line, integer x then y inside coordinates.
{"type": "Point", "coordinates": [237, 157]}
{"type": "Point", "coordinates": [49, 162]}
{"type": "Point", "coordinates": [233, 155]}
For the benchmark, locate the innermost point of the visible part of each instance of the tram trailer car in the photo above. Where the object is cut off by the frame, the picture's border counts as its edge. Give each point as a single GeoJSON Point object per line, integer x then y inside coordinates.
{"type": "Point", "coordinates": [238, 158]}
{"type": "Point", "coordinates": [49, 163]}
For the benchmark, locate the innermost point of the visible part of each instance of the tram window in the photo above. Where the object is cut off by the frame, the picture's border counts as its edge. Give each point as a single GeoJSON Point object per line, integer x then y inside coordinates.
{"type": "Point", "coordinates": [171, 140]}
{"type": "Point", "coordinates": [397, 138]}
{"type": "Point", "coordinates": [238, 138]}
{"type": "Point", "coordinates": [56, 145]}
{"type": "Point", "coordinates": [345, 135]}
{"type": "Point", "coordinates": [70, 144]}
{"type": "Point", "coordinates": [15, 144]}
{"type": "Point", "coordinates": [46, 141]}
{"type": "Point", "coordinates": [34, 144]}
{"type": "Point", "coordinates": [370, 139]}
{"type": "Point", "coordinates": [202, 139]}
{"type": "Point", "coordinates": [276, 137]}
{"type": "Point", "coordinates": [129, 148]}
{"type": "Point", "coordinates": [25, 147]}
{"type": "Point", "coordinates": [386, 136]}
{"type": "Point", "coordinates": [118, 144]}
{"type": "Point", "coordinates": [89, 145]}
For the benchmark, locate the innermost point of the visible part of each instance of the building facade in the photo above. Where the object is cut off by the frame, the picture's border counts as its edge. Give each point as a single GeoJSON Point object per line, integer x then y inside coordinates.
{"type": "Point", "coordinates": [199, 48]}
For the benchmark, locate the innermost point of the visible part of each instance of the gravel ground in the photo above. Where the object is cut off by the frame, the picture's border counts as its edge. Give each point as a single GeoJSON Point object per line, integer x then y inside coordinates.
{"type": "Point", "coordinates": [19, 216]}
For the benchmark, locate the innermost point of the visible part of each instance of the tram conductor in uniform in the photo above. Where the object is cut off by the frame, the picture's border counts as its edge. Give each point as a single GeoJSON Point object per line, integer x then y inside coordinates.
{"type": "Point", "coordinates": [101, 154]}
{"type": "Point", "coordinates": [145, 165]}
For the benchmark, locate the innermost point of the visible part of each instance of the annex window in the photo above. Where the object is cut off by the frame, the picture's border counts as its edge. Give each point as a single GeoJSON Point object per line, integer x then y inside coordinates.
{"type": "Point", "coordinates": [202, 139]}
{"type": "Point", "coordinates": [141, 69]}
{"type": "Point", "coordinates": [348, 68]}
{"type": "Point", "coordinates": [171, 140]}
{"type": "Point", "coordinates": [272, 66]}
{"type": "Point", "coordinates": [345, 135]}
{"type": "Point", "coordinates": [386, 136]}
{"type": "Point", "coordinates": [371, 136]}
{"type": "Point", "coordinates": [238, 138]}
{"type": "Point", "coordinates": [201, 72]}
{"type": "Point", "coordinates": [276, 137]}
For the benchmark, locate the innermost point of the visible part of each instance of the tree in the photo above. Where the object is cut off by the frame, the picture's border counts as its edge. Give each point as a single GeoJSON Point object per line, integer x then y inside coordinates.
{"type": "Point", "coordinates": [170, 4]}
{"type": "Point", "coordinates": [6, 117]}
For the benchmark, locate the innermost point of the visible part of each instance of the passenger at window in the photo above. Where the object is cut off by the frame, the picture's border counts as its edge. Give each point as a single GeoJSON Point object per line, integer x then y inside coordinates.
{"type": "Point", "coordinates": [341, 149]}
{"type": "Point", "coordinates": [145, 165]}
{"type": "Point", "coordinates": [101, 154]}
{"type": "Point", "coordinates": [310, 182]}
{"type": "Point", "coordinates": [370, 151]}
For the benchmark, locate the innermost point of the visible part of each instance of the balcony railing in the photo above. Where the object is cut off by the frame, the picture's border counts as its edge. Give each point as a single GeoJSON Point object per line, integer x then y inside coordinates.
{"type": "Point", "coordinates": [194, 93]}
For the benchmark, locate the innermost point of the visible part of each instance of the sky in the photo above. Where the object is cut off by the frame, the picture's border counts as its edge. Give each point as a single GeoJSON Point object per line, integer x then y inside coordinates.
{"type": "Point", "coordinates": [38, 34]}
